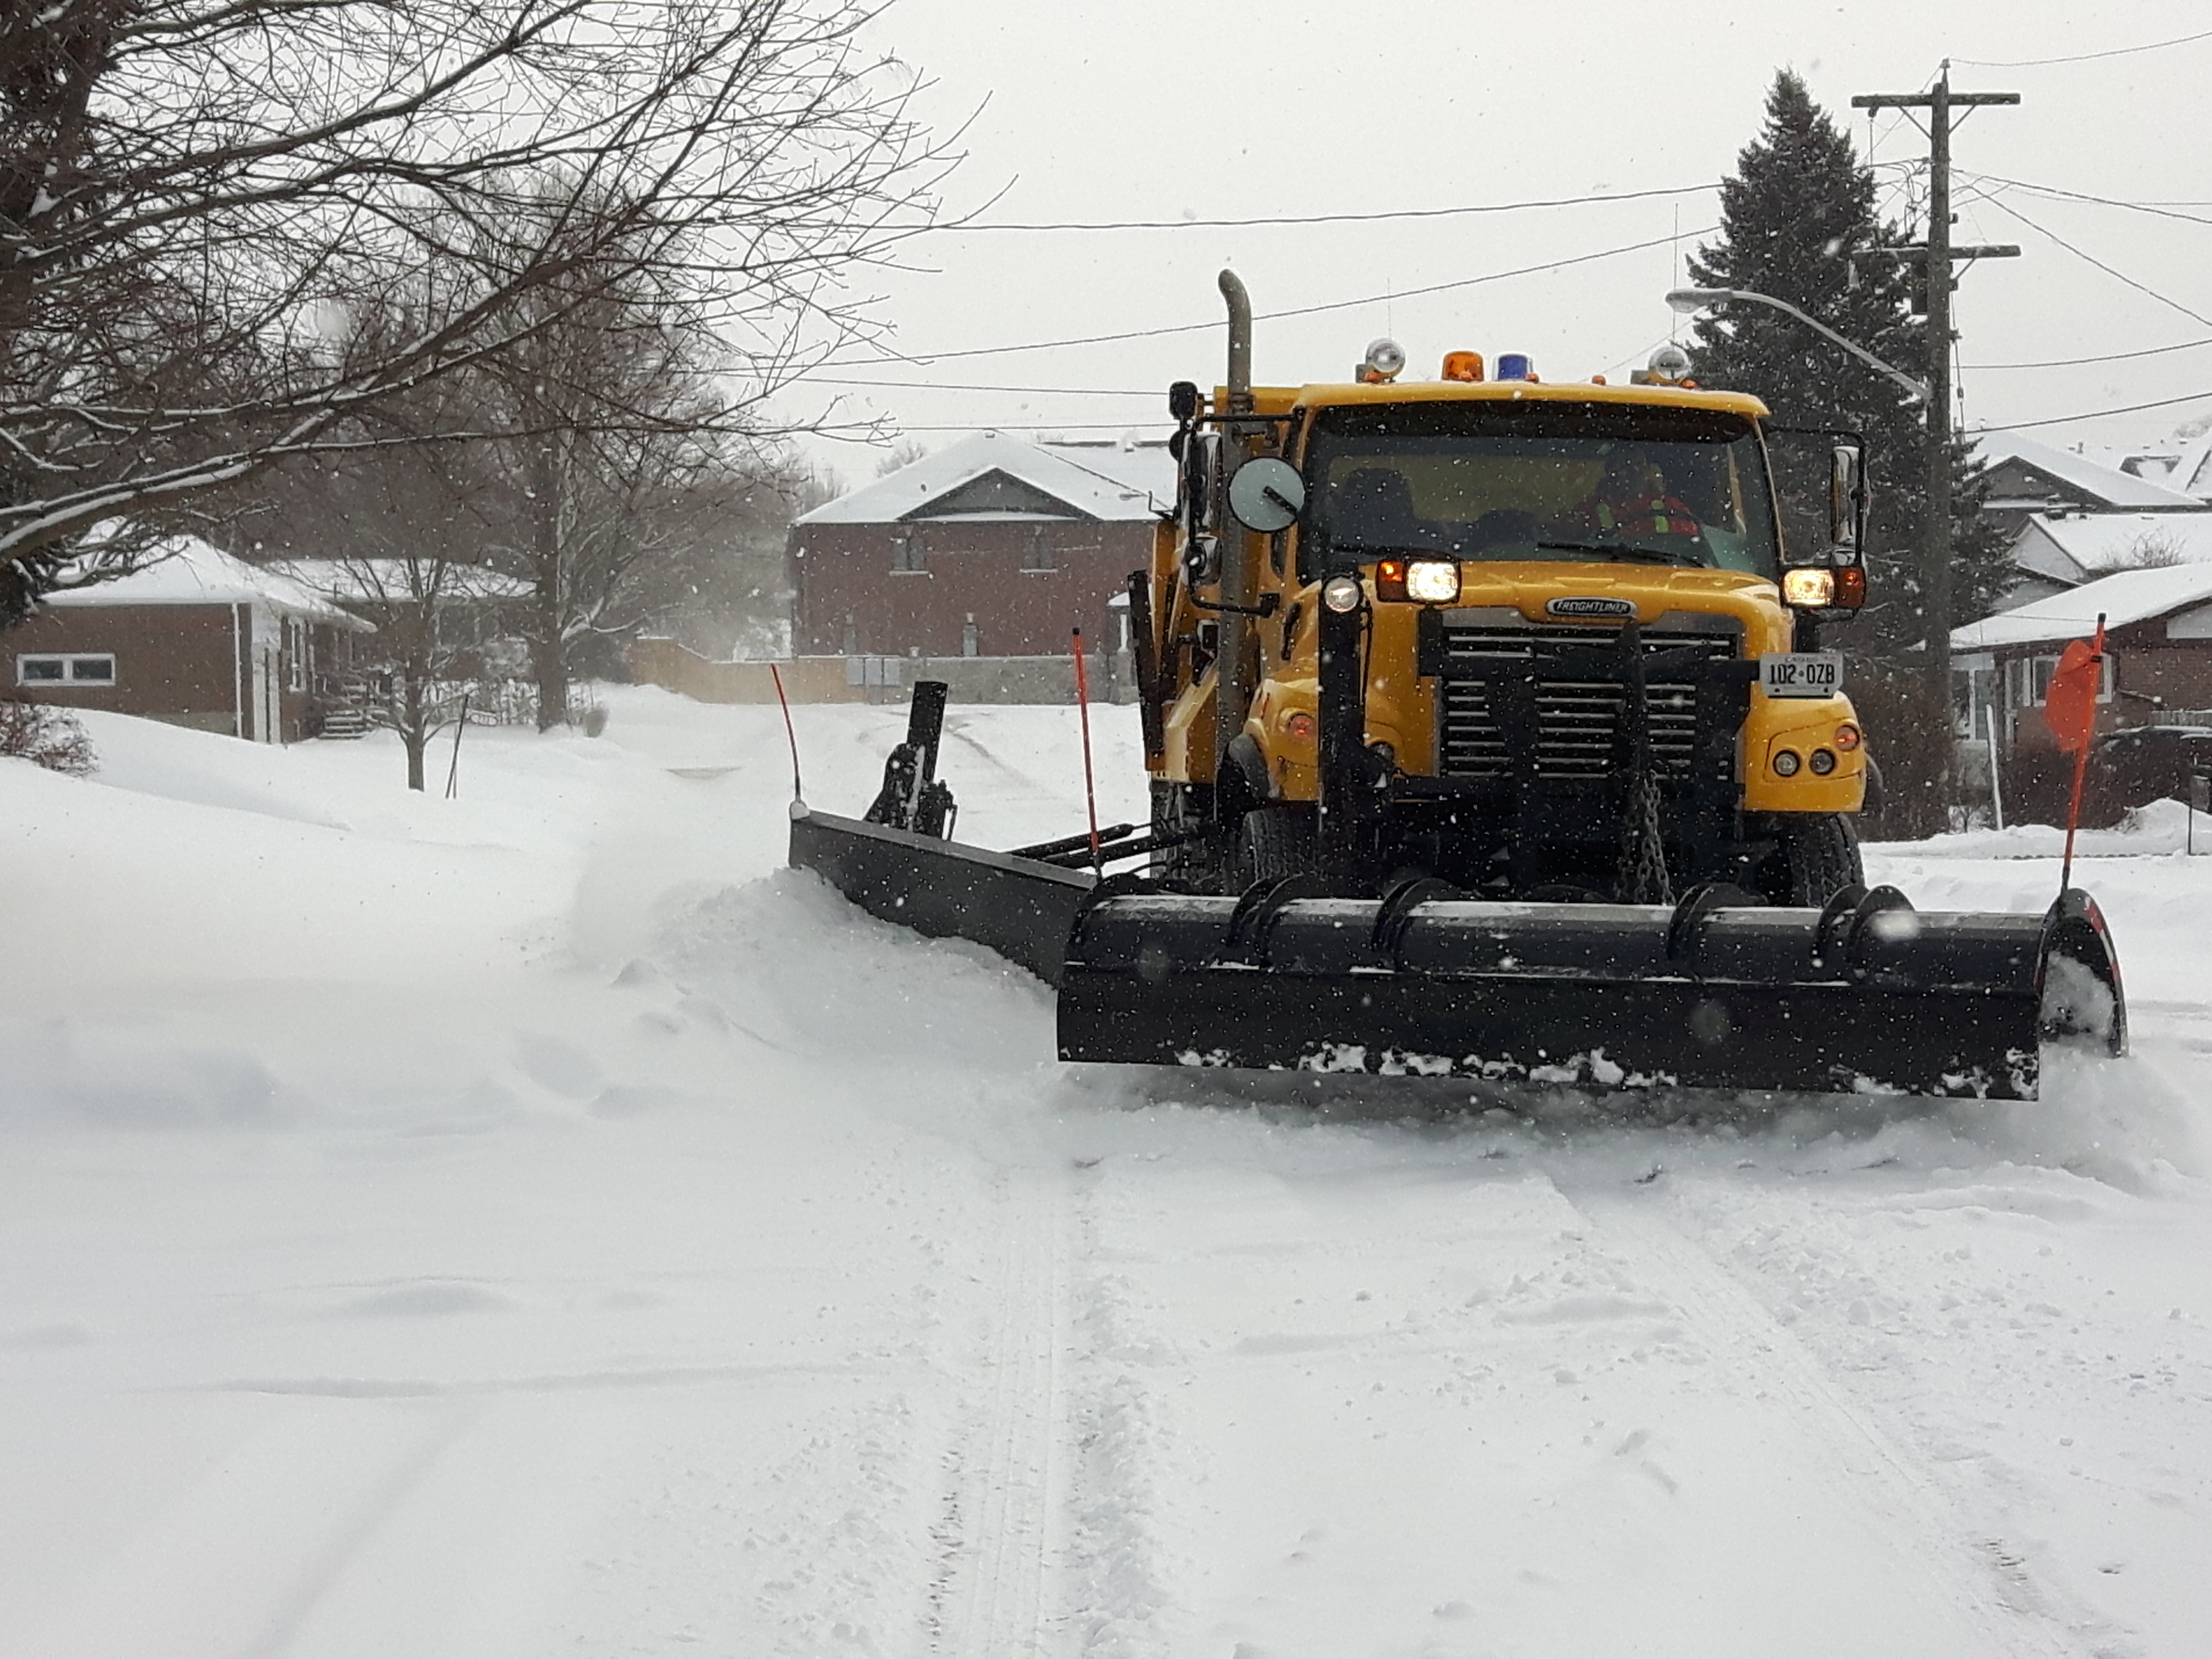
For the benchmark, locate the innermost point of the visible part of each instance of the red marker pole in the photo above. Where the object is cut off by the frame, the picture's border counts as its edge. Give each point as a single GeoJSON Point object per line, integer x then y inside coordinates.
{"type": "Point", "coordinates": [1089, 794]}
{"type": "Point", "coordinates": [790, 735]}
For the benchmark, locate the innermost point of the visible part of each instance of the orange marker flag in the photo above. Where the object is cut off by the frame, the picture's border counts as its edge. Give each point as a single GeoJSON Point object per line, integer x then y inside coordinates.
{"type": "Point", "coordinates": [2070, 708]}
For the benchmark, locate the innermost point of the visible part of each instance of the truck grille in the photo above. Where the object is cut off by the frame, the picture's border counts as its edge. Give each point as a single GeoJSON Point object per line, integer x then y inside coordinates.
{"type": "Point", "coordinates": [1577, 720]}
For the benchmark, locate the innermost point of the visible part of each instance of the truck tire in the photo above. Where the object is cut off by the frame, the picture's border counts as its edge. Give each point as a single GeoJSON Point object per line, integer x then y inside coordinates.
{"type": "Point", "coordinates": [1275, 841]}
{"type": "Point", "coordinates": [1820, 853]}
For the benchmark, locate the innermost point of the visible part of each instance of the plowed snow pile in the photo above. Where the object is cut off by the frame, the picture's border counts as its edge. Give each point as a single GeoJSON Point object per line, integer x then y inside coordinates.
{"type": "Point", "coordinates": [537, 1223]}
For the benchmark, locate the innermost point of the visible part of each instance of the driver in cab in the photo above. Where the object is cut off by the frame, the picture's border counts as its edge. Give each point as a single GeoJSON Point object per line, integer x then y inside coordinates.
{"type": "Point", "coordinates": [1631, 498]}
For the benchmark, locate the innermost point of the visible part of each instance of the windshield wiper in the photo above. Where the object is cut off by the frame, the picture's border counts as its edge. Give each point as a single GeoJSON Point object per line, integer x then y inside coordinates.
{"type": "Point", "coordinates": [1383, 549]}
{"type": "Point", "coordinates": [1621, 550]}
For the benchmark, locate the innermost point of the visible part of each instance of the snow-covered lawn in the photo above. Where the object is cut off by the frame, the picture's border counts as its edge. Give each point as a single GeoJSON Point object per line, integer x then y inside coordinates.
{"type": "Point", "coordinates": [536, 1223]}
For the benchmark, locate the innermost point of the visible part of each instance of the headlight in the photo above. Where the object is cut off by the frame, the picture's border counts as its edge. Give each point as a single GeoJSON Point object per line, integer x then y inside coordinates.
{"type": "Point", "coordinates": [1786, 763]}
{"type": "Point", "coordinates": [1823, 762]}
{"type": "Point", "coordinates": [1341, 593]}
{"type": "Point", "coordinates": [1432, 581]}
{"type": "Point", "coordinates": [1809, 588]}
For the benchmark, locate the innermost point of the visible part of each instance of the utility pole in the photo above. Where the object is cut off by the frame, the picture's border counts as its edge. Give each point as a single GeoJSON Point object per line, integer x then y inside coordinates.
{"type": "Point", "coordinates": [1939, 254]}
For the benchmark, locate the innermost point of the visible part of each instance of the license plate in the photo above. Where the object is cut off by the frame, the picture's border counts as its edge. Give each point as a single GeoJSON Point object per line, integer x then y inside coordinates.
{"type": "Point", "coordinates": [1802, 674]}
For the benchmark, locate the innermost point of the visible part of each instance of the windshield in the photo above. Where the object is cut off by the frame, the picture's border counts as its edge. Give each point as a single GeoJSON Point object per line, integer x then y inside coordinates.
{"type": "Point", "coordinates": [1537, 480]}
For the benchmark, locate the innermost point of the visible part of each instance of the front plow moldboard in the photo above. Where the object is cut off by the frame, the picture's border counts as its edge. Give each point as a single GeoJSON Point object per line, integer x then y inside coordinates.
{"type": "Point", "coordinates": [1019, 907]}
{"type": "Point", "coordinates": [1603, 995]}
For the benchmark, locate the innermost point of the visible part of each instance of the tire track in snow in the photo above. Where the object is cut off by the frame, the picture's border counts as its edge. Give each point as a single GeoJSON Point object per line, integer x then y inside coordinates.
{"type": "Point", "coordinates": [1864, 1468]}
{"type": "Point", "coordinates": [316, 1577]}
{"type": "Point", "coordinates": [1001, 1534]}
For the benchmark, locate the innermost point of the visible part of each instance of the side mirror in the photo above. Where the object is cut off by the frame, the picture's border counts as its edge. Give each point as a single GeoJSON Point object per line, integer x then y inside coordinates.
{"type": "Point", "coordinates": [1183, 400]}
{"type": "Point", "coordinates": [1267, 495]}
{"type": "Point", "coordinates": [1846, 496]}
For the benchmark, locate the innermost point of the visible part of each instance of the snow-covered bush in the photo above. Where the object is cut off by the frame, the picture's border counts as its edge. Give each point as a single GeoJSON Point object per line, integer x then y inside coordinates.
{"type": "Point", "coordinates": [51, 737]}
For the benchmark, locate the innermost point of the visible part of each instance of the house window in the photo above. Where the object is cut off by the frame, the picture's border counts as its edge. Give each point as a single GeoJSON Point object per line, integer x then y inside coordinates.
{"type": "Point", "coordinates": [72, 668]}
{"type": "Point", "coordinates": [1038, 555]}
{"type": "Point", "coordinates": [2028, 680]}
{"type": "Point", "coordinates": [908, 556]}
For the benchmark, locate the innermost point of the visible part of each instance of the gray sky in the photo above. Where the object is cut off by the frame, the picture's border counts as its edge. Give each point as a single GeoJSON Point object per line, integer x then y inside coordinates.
{"type": "Point", "coordinates": [1142, 110]}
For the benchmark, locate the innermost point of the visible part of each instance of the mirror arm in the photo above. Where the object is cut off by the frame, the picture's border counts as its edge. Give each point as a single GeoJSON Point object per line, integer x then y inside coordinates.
{"type": "Point", "coordinates": [1269, 603]}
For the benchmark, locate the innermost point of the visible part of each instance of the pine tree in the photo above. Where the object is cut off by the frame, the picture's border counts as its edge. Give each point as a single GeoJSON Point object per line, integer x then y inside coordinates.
{"type": "Point", "coordinates": [1798, 222]}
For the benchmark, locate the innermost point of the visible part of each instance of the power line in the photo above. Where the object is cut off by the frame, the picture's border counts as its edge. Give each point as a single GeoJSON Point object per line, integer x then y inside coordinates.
{"type": "Point", "coordinates": [2107, 357]}
{"type": "Point", "coordinates": [870, 433]}
{"type": "Point", "coordinates": [1273, 316]}
{"type": "Point", "coordinates": [2080, 254]}
{"type": "Point", "coordinates": [1592, 199]}
{"type": "Point", "coordinates": [960, 386]}
{"type": "Point", "coordinates": [2085, 57]}
{"type": "Point", "coordinates": [2096, 414]}
{"type": "Point", "coordinates": [2163, 210]}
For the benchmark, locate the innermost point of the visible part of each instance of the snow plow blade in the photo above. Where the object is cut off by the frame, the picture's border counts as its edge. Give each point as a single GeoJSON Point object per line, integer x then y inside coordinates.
{"type": "Point", "coordinates": [1865, 996]}
{"type": "Point", "coordinates": [1019, 907]}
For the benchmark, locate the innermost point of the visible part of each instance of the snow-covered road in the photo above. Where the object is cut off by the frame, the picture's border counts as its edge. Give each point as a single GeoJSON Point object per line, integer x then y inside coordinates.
{"type": "Point", "coordinates": [536, 1223]}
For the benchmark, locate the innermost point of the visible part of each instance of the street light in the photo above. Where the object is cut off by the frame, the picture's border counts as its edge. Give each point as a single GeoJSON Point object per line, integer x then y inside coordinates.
{"type": "Point", "coordinates": [1691, 301]}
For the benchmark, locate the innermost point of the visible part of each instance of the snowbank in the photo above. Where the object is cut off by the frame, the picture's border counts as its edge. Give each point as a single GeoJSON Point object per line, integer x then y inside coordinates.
{"type": "Point", "coordinates": [538, 1221]}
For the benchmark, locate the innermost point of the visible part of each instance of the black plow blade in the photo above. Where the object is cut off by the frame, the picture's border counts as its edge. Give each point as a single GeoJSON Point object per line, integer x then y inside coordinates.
{"type": "Point", "coordinates": [1018, 907]}
{"type": "Point", "coordinates": [1866, 996]}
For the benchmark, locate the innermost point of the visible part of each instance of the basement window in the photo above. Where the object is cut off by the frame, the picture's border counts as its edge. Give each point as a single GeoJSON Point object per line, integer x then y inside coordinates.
{"type": "Point", "coordinates": [71, 668]}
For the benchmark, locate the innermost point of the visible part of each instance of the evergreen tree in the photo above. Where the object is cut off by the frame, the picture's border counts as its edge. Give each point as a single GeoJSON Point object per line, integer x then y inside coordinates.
{"type": "Point", "coordinates": [1798, 222]}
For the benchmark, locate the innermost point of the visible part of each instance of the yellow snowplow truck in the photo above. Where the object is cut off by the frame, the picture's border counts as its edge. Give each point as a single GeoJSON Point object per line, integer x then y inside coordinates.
{"type": "Point", "coordinates": [1491, 732]}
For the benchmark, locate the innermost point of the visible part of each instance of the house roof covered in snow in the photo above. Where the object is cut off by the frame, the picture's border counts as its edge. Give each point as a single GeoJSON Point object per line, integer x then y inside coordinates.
{"type": "Point", "coordinates": [394, 581]}
{"type": "Point", "coordinates": [2103, 485]}
{"type": "Point", "coordinates": [2103, 541]}
{"type": "Point", "coordinates": [2123, 596]}
{"type": "Point", "coordinates": [185, 570]}
{"type": "Point", "coordinates": [993, 474]}
{"type": "Point", "coordinates": [2191, 471]}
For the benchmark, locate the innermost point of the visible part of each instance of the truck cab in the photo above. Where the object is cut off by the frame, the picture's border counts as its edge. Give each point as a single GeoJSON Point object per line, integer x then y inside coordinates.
{"type": "Point", "coordinates": [1532, 639]}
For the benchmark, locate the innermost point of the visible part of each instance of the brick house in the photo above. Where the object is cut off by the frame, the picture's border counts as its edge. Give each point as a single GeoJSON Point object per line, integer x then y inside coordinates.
{"type": "Point", "coordinates": [994, 547]}
{"type": "Point", "coordinates": [2158, 633]}
{"type": "Point", "coordinates": [196, 638]}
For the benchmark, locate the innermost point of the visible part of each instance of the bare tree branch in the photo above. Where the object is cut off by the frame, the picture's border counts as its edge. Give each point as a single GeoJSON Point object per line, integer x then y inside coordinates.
{"type": "Point", "coordinates": [232, 229]}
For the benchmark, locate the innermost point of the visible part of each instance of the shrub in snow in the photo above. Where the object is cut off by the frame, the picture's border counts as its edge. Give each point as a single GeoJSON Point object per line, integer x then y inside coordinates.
{"type": "Point", "coordinates": [51, 737]}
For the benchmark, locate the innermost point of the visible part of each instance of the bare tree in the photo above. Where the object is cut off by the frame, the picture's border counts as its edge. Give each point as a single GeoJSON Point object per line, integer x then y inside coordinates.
{"type": "Point", "coordinates": [201, 201]}
{"type": "Point", "coordinates": [2155, 549]}
{"type": "Point", "coordinates": [903, 453]}
{"type": "Point", "coordinates": [622, 433]}
{"type": "Point", "coordinates": [724, 587]}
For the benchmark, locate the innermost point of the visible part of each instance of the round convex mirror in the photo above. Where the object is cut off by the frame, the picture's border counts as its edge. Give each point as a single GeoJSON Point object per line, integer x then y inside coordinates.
{"type": "Point", "coordinates": [1267, 495]}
